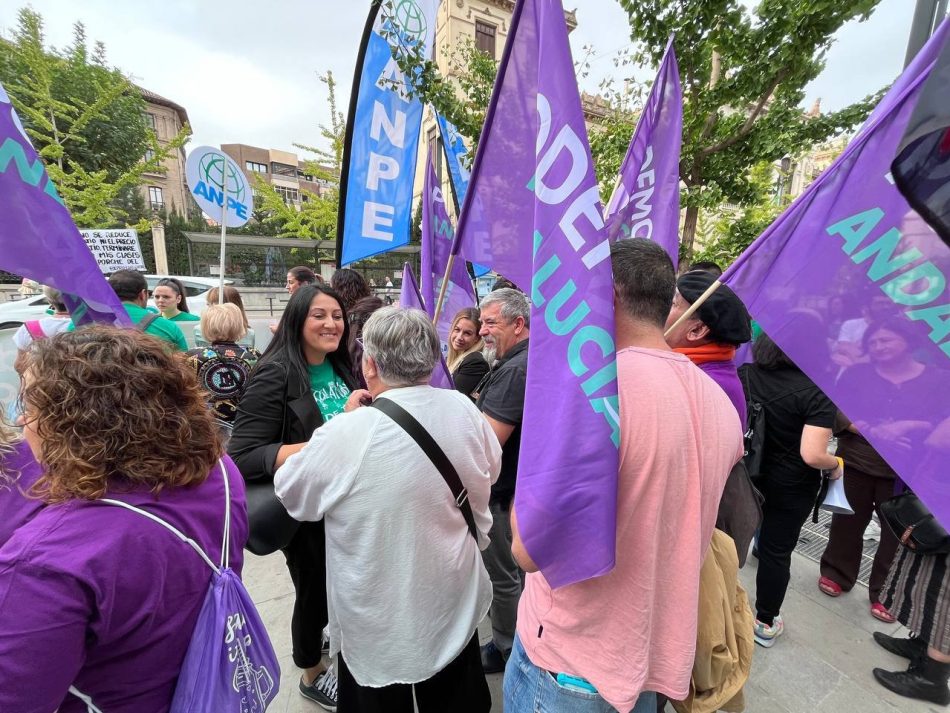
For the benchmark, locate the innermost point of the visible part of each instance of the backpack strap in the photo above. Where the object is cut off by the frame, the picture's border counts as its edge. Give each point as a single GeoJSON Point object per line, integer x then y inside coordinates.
{"type": "Point", "coordinates": [225, 555]}
{"type": "Point", "coordinates": [441, 461]}
{"type": "Point", "coordinates": [90, 706]}
{"type": "Point", "coordinates": [146, 321]}
{"type": "Point", "coordinates": [35, 329]}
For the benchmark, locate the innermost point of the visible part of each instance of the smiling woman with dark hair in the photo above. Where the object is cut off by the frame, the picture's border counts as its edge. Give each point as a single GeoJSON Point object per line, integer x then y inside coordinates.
{"type": "Point", "coordinates": [95, 599]}
{"type": "Point", "coordinates": [303, 379]}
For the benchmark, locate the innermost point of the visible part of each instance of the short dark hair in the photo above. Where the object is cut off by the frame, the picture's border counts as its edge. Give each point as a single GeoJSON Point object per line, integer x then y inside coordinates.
{"type": "Point", "coordinates": [707, 266]}
{"type": "Point", "coordinates": [127, 284]}
{"type": "Point", "coordinates": [644, 279]}
{"type": "Point", "coordinates": [769, 355]}
{"type": "Point", "coordinates": [303, 274]}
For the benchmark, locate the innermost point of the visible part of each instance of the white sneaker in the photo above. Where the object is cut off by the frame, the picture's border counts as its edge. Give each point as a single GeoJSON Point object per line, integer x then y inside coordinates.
{"type": "Point", "coordinates": [766, 635]}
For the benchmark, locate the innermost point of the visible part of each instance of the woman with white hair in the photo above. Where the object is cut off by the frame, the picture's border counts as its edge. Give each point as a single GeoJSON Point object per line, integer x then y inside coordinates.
{"type": "Point", "coordinates": [403, 560]}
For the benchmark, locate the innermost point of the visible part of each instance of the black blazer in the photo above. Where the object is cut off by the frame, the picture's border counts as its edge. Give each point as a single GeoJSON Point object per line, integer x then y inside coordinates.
{"type": "Point", "coordinates": [277, 409]}
{"type": "Point", "coordinates": [471, 371]}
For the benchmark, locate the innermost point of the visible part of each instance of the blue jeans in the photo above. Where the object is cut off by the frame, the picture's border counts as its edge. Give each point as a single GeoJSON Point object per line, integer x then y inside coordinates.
{"type": "Point", "coordinates": [529, 689]}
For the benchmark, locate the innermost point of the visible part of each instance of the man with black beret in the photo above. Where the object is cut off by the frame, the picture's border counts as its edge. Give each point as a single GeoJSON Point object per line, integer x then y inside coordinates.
{"type": "Point", "coordinates": [710, 337]}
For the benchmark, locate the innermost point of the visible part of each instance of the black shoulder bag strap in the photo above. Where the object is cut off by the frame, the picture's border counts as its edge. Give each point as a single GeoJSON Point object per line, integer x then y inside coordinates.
{"type": "Point", "coordinates": [421, 436]}
{"type": "Point", "coordinates": [146, 321]}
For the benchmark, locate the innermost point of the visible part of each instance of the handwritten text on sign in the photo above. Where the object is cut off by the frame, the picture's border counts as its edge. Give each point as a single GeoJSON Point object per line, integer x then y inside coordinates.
{"type": "Point", "coordinates": [115, 249]}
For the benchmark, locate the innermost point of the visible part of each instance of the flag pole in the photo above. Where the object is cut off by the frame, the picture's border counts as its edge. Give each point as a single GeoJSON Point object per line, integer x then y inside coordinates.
{"type": "Point", "coordinates": [348, 132]}
{"type": "Point", "coordinates": [224, 225]}
{"type": "Point", "coordinates": [693, 307]}
{"type": "Point", "coordinates": [445, 283]}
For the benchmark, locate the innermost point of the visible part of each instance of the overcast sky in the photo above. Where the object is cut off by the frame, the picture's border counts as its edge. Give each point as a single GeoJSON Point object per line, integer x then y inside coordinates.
{"type": "Point", "coordinates": [246, 71]}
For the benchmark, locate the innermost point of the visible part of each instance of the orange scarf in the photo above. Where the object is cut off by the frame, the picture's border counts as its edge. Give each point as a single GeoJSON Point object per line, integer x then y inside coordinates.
{"type": "Point", "coordinates": [708, 352]}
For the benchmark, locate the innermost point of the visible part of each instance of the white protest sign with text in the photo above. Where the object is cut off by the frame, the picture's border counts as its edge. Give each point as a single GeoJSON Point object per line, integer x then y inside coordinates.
{"type": "Point", "coordinates": [115, 249]}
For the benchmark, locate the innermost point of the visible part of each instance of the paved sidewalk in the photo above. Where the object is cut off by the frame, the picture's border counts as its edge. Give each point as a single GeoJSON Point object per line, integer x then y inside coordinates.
{"type": "Point", "coordinates": [821, 665]}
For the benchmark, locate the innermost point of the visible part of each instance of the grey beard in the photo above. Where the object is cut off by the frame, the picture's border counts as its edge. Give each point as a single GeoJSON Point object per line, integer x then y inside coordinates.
{"type": "Point", "coordinates": [489, 353]}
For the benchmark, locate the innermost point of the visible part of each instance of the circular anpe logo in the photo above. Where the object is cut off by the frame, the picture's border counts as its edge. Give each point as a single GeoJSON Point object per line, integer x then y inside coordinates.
{"type": "Point", "coordinates": [212, 168]}
{"type": "Point", "coordinates": [411, 20]}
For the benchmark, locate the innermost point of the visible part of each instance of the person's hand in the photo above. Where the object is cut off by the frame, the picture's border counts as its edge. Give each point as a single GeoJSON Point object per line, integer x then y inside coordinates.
{"type": "Point", "coordinates": [838, 471]}
{"type": "Point", "coordinates": [894, 432]}
{"type": "Point", "coordinates": [360, 397]}
{"type": "Point", "coordinates": [273, 327]}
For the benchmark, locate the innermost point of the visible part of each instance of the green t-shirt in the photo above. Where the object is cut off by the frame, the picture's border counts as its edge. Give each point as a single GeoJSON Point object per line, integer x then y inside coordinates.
{"type": "Point", "coordinates": [184, 317]}
{"type": "Point", "coordinates": [161, 327]}
{"type": "Point", "coordinates": [329, 390]}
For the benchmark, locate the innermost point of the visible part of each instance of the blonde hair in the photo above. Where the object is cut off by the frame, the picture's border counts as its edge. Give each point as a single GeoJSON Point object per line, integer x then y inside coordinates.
{"type": "Point", "coordinates": [9, 437]}
{"type": "Point", "coordinates": [222, 323]}
{"type": "Point", "coordinates": [455, 358]}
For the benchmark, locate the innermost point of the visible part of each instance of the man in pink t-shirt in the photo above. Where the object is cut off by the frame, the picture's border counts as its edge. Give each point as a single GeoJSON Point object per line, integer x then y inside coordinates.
{"type": "Point", "coordinates": [615, 641]}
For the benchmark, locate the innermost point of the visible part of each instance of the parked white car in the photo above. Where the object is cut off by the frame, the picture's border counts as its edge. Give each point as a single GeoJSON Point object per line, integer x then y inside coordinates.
{"type": "Point", "coordinates": [16, 312]}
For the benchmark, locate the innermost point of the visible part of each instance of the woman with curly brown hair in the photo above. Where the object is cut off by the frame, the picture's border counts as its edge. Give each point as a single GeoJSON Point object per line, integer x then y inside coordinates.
{"type": "Point", "coordinates": [350, 285]}
{"type": "Point", "coordinates": [95, 599]}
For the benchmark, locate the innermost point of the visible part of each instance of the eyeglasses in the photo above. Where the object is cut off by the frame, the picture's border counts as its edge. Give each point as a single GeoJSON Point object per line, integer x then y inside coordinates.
{"type": "Point", "coordinates": [359, 342]}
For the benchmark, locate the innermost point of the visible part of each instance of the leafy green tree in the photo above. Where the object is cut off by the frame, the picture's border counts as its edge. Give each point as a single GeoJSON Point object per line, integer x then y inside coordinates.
{"type": "Point", "coordinates": [744, 72]}
{"type": "Point", "coordinates": [317, 216]}
{"type": "Point", "coordinates": [87, 121]}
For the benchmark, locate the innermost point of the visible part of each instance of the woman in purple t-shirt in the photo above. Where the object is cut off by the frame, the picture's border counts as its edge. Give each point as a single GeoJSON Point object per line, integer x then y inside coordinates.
{"type": "Point", "coordinates": [18, 471]}
{"type": "Point", "coordinates": [92, 596]}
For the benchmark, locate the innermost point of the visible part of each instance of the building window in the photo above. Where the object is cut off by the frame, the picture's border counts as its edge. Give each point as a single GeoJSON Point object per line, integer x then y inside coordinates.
{"type": "Point", "coordinates": [156, 198]}
{"type": "Point", "coordinates": [288, 195]}
{"type": "Point", "coordinates": [485, 38]}
{"type": "Point", "coordinates": [150, 120]}
{"type": "Point", "coordinates": [149, 154]}
{"type": "Point", "coordinates": [255, 167]}
{"type": "Point", "coordinates": [282, 169]}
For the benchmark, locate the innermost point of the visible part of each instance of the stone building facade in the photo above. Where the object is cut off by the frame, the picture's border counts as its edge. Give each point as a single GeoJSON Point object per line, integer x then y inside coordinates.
{"type": "Point", "coordinates": [166, 190]}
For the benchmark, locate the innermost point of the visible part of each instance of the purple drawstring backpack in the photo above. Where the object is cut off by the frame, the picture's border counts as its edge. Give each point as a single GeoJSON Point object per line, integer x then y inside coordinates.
{"type": "Point", "coordinates": [230, 664]}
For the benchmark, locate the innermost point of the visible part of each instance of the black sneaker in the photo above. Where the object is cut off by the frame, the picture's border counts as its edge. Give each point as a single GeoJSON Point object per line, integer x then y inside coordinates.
{"type": "Point", "coordinates": [493, 660]}
{"type": "Point", "coordinates": [912, 683]}
{"type": "Point", "coordinates": [912, 648]}
{"type": "Point", "coordinates": [322, 691]}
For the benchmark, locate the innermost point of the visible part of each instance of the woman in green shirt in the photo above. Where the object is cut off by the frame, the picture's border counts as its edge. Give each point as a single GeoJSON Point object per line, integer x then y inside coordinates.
{"type": "Point", "coordinates": [303, 380]}
{"type": "Point", "coordinates": [169, 296]}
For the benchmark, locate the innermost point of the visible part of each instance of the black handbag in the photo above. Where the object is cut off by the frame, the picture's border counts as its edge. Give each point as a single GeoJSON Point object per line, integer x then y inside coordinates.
{"type": "Point", "coordinates": [915, 526]}
{"type": "Point", "coordinates": [269, 526]}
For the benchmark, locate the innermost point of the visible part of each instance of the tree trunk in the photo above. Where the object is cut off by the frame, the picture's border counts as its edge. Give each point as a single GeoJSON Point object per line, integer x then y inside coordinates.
{"type": "Point", "coordinates": [689, 231]}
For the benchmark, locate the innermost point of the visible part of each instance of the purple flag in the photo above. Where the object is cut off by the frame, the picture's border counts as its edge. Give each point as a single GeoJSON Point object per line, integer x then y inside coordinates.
{"type": "Point", "coordinates": [409, 298]}
{"type": "Point", "coordinates": [437, 236]}
{"type": "Point", "coordinates": [646, 199]}
{"type": "Point", "coordinates": [534, 194]}
{"type": "Point", "coordinates": [853, 235]}
{"type": "Point", "coordinates": [38, 238]}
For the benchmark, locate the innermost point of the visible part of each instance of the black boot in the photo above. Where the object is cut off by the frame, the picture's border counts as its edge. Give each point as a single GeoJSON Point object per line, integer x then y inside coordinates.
{"type": "Point", "coordinates": [926, 681]}
{"type": "Point", "coordinates": [912, 648]}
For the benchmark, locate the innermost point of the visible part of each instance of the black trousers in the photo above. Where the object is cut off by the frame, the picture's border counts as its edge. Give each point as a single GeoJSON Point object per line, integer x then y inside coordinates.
{"type": "Point", "coordinates": [460, 688]}
{"type": "Point", "coordinates": [307, 562]}
{"type": "Point", "coordinates": [841, 561]}
{"type": "Point", "coordinates": [788, 503]}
